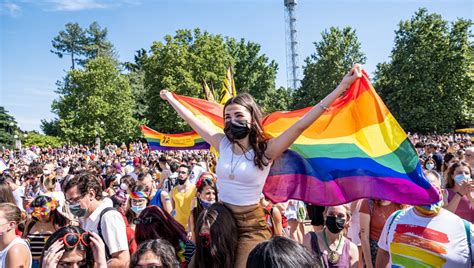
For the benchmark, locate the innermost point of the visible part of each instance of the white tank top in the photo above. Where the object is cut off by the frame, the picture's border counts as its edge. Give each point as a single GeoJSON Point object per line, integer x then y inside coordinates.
{"type": "Point", "coordinates": [4, 252]}
{"type": "Point", "coordinates": [246, 185]}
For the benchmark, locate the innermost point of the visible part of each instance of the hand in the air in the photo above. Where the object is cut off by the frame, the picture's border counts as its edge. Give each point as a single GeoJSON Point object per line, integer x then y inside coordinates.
{"type": "Point", "coordinates": [165, 94]}
{"type": "Point", "coordinates": [354, 74]}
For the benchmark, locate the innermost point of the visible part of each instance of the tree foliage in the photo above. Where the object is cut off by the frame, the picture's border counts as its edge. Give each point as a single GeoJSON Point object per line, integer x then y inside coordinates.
{"type": "Point", "coordinates": [97, 94]}
{"type": "Point", "coordinates": [8, 128]}
{"type": "Point", "coordinates": [50, 128]}
{"type": "Point", "coordinates": [82, 44]}
{"type": "Point", "coordinates": [42, 141]}
{"type": "Point", "coordinates": [255, 73]}
{"type": "Point", "coordinates": [335, 54]}
{"type": "Point", "coordinates": [428, 84]}
{"type": "Point", "coordinates": [183, 61]}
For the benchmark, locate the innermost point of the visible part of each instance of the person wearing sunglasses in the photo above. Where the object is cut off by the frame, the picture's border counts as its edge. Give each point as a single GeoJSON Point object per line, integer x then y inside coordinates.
{"type": "Point", "coordinates": [45, 218]}
{"type": "Point", "coordinates": [71, 246]}
{"type": "Point", "coordinates": [154, 223]}
{"type": "Point", "coordinates": [155, 253]}
{"type": "Point", "coordinates": [96, 214]}
{"type": "Point", "coordinates": [14, 251]}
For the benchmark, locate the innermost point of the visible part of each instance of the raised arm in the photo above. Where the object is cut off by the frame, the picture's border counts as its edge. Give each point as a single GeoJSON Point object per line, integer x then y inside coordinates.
{"type": "Point", "coordinates": [278, 145]}
{"type": "Point", "coordinates": [209, 134]}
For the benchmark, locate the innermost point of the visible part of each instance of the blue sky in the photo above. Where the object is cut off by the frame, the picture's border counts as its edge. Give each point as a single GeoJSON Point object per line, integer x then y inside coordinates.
{"type": "Point", "coordinates": [29, 71]}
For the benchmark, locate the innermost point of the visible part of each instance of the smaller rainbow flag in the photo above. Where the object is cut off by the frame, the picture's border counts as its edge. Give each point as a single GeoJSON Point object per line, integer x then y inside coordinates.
{"type": "Point", "coordinates": [173, 142]}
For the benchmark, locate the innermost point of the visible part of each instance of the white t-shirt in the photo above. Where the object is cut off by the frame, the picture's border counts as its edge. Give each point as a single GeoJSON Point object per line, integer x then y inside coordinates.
{"type": "Point", "coordinates": [4, 252]}
{"type": "Point", "coordinates": [415, 241]}
{"type": "Point", "coordinates": [239, 181]}
{"type": "Point", "coordinates": [17, 194]}
{"type": "Point", "coordinates": [113, 227]}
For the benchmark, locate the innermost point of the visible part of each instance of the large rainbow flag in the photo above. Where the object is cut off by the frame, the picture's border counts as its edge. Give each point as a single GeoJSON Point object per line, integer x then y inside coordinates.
{"type": "Point", "coordinates": [182, 141]}
{"type": "Point", "coordinates": [355, 150]}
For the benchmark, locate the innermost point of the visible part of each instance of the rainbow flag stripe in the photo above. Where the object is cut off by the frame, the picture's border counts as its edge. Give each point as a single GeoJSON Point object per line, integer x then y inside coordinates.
{"type": "Point", "coordinates": [182, 141]}
{"type": "Point", "coordinates": [356, 149]}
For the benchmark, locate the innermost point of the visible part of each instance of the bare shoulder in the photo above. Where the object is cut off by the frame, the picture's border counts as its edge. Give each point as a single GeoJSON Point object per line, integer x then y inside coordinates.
{"type": "Point", "coordinates": [18, 254]}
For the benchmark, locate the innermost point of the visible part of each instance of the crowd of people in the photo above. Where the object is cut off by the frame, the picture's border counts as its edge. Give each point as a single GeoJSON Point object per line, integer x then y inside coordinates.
{"type": "Point", "coordinates": [127, 206]}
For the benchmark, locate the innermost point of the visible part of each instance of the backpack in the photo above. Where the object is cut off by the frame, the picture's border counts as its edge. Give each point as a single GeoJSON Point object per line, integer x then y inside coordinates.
{"type": "Point", "coordinates": [132, 244]}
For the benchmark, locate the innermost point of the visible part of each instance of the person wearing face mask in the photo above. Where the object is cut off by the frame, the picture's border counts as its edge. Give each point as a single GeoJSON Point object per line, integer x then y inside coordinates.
{"type": "Point", "coordinates": [182, 196]}
{"type": "Point", "coordinates": [429, 164]}
{"type": "Point", "coordinates": [330, 245]}
{"type": "Point", "coordinates": [460, 187]}
{"type": "Point", "coordinates": [246, 155]}
{"type": "Point", "coordinates": [138, 201]}
{"type": "Point", "coordinates": [45, 219]}
{"type": "Point", "coordinates": [96, 214]}
{"type": "Point", "coordinates": [157, 197]}
{"type": "Point", "coordinates": [14, 251]}
{"type": "Point", "coordinates": [206, 195]}
{"type": "Point", "coordinates": [426, 236]}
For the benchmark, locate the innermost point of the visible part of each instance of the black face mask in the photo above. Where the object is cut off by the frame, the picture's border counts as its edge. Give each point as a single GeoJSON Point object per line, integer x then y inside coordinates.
{"type": "Point", "coordinates": [181, 182]}
{"type": "Point", "coordinates": [335, 225]}
{"type": "Point", "coordinates": [236, 130]}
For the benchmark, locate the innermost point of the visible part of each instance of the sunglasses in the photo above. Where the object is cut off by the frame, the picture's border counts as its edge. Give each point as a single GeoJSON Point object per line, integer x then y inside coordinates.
{"type": "Point", "coordinates": [143, 220]}
{"type": "Point", "coordinates": [71, 240]}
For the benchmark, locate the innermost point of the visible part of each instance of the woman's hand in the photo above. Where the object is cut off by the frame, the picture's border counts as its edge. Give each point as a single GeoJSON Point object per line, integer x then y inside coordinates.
{"type": "Point", "coordinates": [464, 187]}
{"type": "Point", "coordinates": [54, 254]}
{"type": "Point", "coordinates": [352, 75]}
{"type": "Point", "coordinates": [165, 94]}
{"type": "Point", "coordinates": [98, 250]}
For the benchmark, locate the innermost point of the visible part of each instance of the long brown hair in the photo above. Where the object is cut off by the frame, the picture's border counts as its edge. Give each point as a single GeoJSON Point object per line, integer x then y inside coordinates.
{"type": "Point", "coordinates": [6, 192]}
{"type": "Point", "coordinates": [257, 139]}
{"type": "Point", "coordinates": [220, 252]}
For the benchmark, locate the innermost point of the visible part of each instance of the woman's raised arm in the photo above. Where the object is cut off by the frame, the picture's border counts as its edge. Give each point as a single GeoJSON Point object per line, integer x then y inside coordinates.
{"type": "Point", "coordinates": [208, 133]}
{"type": "Point", "coordinates": [278, 145]}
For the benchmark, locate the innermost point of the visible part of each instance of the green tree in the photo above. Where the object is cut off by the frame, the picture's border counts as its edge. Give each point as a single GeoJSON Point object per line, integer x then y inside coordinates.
{"type": "Point", "coordinates": [428, 84]}
{"type": "Point", "coordinates": [96, 102]}
{"type": "Point", "coordinates": [281, 100]}
{"type": "Point", "coordinates": [184, 60]}
{"type": "Point", "coordinates": [70, 41]}
{"type": "Point", "coordinates": [8, 127]}
{"type": "Point", "coordinates": [335, 54]}
{"type": "Point", "coordinates": [50, 128]}
{"type": "Point", "coordinates": [136, 77]}
{"type": "Point", "coordinates": [97, 44]}
{"type": "Point", "coordinates": [42, 141]}
{"type": "Point", "coordinates": [180, 64]}
{"type": "Point", "coordinates": [254, 72]}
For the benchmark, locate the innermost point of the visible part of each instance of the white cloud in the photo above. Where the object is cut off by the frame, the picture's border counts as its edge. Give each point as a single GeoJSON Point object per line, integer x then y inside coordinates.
{"type": "Point", "coordinates": [77, 5]}
{"type": "Point", "coordinates": [10, 9]}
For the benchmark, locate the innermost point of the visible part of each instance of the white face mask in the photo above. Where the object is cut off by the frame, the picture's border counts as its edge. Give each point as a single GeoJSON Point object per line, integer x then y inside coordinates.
{"type": "Point", "coordinates": [460, 178]}
{"type": "Point", "coordinates": [124, 186]}
{"type": "Point", "coordinates": [429, 166]}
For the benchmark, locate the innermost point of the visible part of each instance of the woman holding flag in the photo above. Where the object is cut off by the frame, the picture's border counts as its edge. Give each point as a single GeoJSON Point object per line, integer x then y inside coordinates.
{"type": "Point", "coordinates": [246, 156]}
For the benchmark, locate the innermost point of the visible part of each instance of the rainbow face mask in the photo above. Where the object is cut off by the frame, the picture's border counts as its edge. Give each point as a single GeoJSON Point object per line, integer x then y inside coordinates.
{"type": "Point", "coordinates": [44, 210]}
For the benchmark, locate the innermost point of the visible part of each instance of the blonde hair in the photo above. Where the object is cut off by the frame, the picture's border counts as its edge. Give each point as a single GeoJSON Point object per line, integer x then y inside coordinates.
{"type": "Point", "coordinates": [345, 206]}
{"type": "Point", "coordinates": [11, 212]}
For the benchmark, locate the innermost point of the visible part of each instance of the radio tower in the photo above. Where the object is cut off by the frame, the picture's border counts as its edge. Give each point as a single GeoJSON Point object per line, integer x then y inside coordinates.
{"type": "Point", "coordinates": [292, 68]}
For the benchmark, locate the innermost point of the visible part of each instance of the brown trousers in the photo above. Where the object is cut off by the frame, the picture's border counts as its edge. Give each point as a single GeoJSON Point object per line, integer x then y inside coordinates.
{"type": "Point", "coordinates": [252, 229]}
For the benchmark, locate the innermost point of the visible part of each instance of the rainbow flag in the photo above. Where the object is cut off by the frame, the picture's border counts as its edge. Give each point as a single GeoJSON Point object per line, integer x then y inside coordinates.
{"type": "Point", "coordinates": [182, 141]}
{"type": "Point", "coordinates": [356, 149]}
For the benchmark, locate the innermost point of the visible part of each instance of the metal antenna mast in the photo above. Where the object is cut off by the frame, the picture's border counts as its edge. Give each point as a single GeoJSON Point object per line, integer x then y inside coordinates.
{"type": "Point", "coordinates": [292, 68]}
